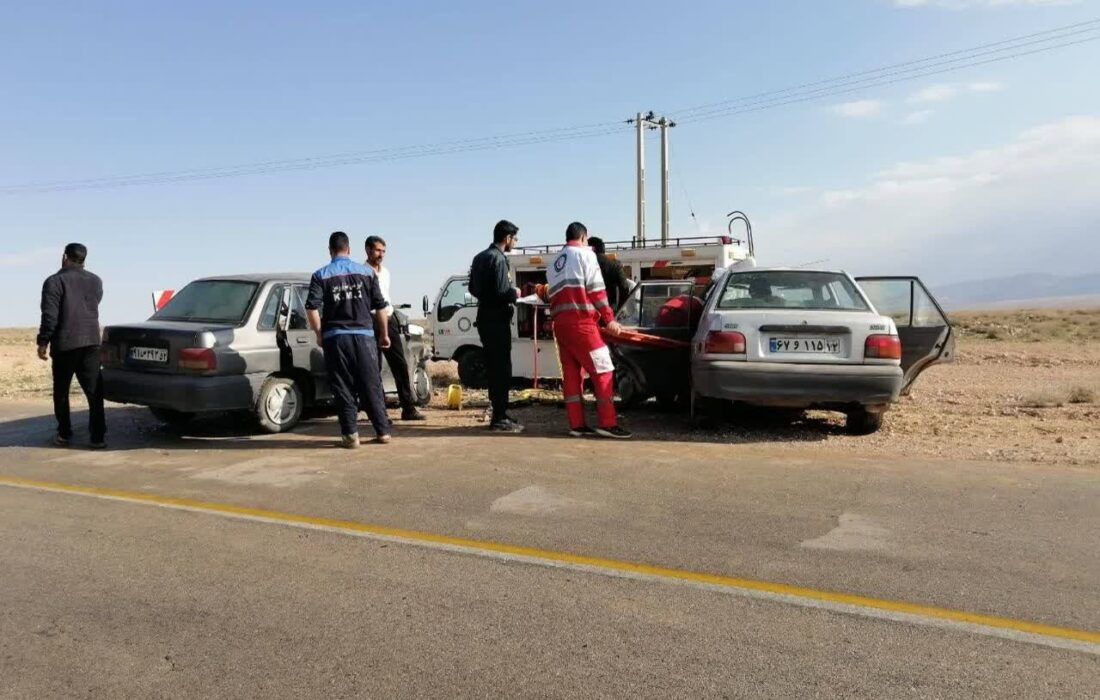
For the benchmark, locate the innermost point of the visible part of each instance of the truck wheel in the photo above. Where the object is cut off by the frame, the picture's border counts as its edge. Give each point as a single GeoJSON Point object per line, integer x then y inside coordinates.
{"type": "Point", "coordinates": [863, 422]}
{"type": "Point", "coordinates": [172, 418]}
{"type": "Point", "coordinates": [422, 386]}
{"type": "Point", "coordinates": [279, 406]}
{"type": "Point", "coordinates": [472, 371]}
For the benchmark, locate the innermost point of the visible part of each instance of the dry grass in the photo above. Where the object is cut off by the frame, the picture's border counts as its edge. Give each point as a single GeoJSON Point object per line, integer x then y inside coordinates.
{"type": "Point", "coordinates": [1030, 325]}
{"type": "Point", "coordinates": [1081, 394]}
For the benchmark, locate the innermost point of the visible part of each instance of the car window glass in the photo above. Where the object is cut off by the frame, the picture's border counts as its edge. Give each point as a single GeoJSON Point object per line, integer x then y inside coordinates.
{"type": "Point", "coordinates": [891, 297]}
{"type": "Point", "coordinates": [270, 314]}
{"type": "Point", "coordinates": [298, 321]}
{"type": "Point", "coordinates": [630, 309]}
{"type": "Point", "coordinates": [790, 289]}
{"type": "Point", "coordinates": [457, 294]}
{"type": "Point", "coordinates": [210, 301]}
{"type": "Point", "coordinates": [925, 313]}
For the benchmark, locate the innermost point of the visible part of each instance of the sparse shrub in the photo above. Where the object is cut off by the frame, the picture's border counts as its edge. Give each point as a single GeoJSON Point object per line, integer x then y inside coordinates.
{"type": "Point", "coordinates": [1048, 398]}
{"type": "Point", "coordinates": [1081, 394]}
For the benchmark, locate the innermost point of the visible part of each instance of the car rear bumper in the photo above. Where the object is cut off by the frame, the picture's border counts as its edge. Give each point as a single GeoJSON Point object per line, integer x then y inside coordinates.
{"type": "Point", "coordinates": [181, 392]}
{"type": "Point", "coordinates": [781, 384]}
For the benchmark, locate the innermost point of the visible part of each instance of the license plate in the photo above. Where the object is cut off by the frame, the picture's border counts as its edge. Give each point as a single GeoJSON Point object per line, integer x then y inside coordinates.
{"type": "Point", "coordinates": [819, 345]}
{"type": "Point", "coordinates": [149, 355]}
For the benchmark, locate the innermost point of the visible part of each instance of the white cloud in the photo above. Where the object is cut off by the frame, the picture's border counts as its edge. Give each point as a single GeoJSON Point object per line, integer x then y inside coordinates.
{"type": "Point", "coordinates": [965, 4]}
{"type": "Point", "coordinates": [934, 93]}
{"type": "Point", "coordinates": [1025, 205]}
{"type": "Point", "coordinates": [985, 87]}
{"type": "Point", "coordinates": [30, 258]}
{"type": "Point", "coordinates": [860, 109]}
{"type": "Point", "coordinates": [791, 191]}
{"type": "Point", "coordinates": [918, 117]}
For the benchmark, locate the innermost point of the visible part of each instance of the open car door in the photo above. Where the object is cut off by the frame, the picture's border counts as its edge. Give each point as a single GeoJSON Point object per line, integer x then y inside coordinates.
{"type": "Point", "coordinates": [926, 334]}
{"type": "Point", "coordinates": [653, 356]}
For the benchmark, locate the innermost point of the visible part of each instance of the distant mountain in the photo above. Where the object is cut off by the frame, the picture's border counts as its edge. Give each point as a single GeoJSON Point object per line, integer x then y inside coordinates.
{"type": "Point", "coordinates": [1020, 290]}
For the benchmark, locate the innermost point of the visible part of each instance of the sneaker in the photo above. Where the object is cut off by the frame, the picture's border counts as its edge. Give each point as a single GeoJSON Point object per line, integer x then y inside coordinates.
{"type": "Point", "coordinates": [583, 431]}
{"type": "Point", "coordinates": [506, 426]}
{"type": "Point", "coordinates": [350, 442]}
{"type": "Point", "coordinates": [384, 439]}
{"type": "Point", "coordinates": [98, 445]}
{"type": "Point", "coordinates": [615, 431]}
{"type": "Point", "coordinates": [60, 441]}
{"type": "Point", "coordinates": [412, 414]}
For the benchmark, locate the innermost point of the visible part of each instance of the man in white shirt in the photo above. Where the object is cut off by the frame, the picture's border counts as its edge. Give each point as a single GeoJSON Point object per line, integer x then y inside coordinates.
{"type": "Point", "coordinates": [395, 353]}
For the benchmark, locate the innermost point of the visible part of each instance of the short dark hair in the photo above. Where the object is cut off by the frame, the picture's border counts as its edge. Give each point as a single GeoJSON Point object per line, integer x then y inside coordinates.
{"type": "Point", "coordinates": [503, 229]}
{"type": "Point", "coordinates": [338, 241]}
{"type": "Point", "coordinates": [371, 240]}
{"type": "Point", "coordinates": [77, 253]}
{"type": "Point", "coordinates": [575, 231]}
{"type": "Point", "coordinates": [596, 244]}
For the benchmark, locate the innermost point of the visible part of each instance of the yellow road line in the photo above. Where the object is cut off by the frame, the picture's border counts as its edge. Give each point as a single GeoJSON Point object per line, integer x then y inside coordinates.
{"type": "Point", "coordinates": [1023, 630]}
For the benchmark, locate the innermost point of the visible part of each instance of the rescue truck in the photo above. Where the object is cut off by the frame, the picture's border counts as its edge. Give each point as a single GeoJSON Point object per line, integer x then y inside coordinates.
{"type": "Point", "coordinates": [453, 316]}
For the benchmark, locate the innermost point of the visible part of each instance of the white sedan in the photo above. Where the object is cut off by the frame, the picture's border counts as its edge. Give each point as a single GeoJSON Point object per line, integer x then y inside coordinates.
{"type": "Point", "coordinates": [816, 339]}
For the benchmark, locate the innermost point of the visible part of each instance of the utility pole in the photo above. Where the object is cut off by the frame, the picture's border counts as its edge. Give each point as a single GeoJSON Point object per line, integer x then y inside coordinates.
{"type": "Point", "coordinates": [642, 122]}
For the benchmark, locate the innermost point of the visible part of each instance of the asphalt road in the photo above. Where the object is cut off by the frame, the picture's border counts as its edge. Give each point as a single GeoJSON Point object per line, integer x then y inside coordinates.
{"type": "Point", "coordinates": [296, 569]}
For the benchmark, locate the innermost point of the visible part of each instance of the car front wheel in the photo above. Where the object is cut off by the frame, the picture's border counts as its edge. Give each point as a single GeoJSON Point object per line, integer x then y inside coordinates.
{"type": "Point", "coordinates": [863, 422]}
{"type": "Point", "coordinates": [279, 407]}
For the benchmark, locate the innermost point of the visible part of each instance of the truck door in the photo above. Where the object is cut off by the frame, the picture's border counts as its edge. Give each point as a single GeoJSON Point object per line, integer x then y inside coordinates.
{"type": "Point", "coordinates": [453, 322]}
{"type": "Point", "coordinates": [925, 331]}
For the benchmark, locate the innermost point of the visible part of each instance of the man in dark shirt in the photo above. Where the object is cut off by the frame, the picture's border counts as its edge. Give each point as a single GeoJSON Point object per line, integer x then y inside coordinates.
{"type": "Point", "coordinates": [496, 295]}
{"type": "Point", "coordinates": [69, 332]}
{"type": "Point", "coordinates": [618, 286]}
{"type": "Point", "coordinates": [341, 297]}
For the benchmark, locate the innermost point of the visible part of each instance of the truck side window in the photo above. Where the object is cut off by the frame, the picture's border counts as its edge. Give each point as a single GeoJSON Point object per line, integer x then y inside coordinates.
{"type": "Point", "coordinates": [455, 296]}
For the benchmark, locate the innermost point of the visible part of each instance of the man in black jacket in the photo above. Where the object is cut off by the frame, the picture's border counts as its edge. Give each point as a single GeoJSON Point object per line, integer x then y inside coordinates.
{"type": "Point", "coordinates": [614, 278]}
{"type": "Point", "coordinates": [496, 295]}
{"type": "Point", "coordinates": [69, 333]}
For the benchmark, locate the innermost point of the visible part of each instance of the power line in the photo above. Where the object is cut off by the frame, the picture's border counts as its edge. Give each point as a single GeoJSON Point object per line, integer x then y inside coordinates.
{"type": "Point", "coordinates": [1007, 49]}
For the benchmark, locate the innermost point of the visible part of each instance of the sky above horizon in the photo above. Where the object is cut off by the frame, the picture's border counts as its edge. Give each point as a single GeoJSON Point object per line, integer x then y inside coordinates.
{"type": "Point", "coordinates": [979, 173]}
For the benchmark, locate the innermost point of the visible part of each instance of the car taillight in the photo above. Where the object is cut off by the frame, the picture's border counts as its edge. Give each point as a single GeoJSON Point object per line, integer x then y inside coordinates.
{"type": "Point", "coordinates": [198, 358]}
{"type": "Point", "coordinates": [725, 343]}
{"type": "Point", "coordinates": [882, 347]}
{"type": "Point", "coordinates": [108, 354]}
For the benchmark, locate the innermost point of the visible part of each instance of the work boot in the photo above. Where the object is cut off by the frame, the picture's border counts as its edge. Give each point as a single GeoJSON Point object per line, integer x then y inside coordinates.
{"type": "Point", "coordinates": [411, 413]}
{"type": "Point", "coordinates": [615, 431]}
{"type": "Point", "coordinates": [350, 442]}
{"type": "Point", "coordinates": [505, 426]}
{"type": "Point", "coordinates": [383, 439]}
{"type": "Point", "coordinates": [60, 441]}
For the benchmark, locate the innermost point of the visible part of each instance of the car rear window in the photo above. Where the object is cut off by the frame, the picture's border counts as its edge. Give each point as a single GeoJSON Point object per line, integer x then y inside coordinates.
{"type": "Point", "coordinates": [791, 289]}
{"type": "Point", "coordinates": [210, 301]}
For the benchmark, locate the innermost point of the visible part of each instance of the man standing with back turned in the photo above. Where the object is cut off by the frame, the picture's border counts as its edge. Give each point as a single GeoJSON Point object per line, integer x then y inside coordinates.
{"type": "Point", "coordinates": [69, 332]}
{"type": "Point", "coordinates": [489, 282]}
{"type": "Point", "coordinates": [342, 296]}
{"type": "Point", "coordinates": [395, 353]}
{"type": "Point", "coordinates": [578, 303]}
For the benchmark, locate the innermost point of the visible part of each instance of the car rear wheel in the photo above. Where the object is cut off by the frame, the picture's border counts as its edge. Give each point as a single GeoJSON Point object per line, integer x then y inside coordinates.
{"type": "Point", "coordinates": [863, 422]}
{"type": "Point", "coordinates": [171, 417]}
{"type": "Point", "coordinates": [472, 371]}
{"type": "Point", "coordinates": [279, 407]}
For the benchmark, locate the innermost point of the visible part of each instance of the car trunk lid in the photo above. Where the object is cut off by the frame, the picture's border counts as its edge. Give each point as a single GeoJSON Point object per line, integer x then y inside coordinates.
{"type": "Point", "coordinates": [155, 346]}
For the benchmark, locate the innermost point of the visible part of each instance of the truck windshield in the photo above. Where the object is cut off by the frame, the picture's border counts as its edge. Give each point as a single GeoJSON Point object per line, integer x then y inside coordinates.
{"type": "Point", "coordinates": [210, 301]}
{"type": "Point", "coordinates": [791, 289]}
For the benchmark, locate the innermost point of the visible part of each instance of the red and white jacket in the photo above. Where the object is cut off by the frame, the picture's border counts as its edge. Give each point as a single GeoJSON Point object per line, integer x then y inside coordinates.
{"type": "Point", "coordinates": [575, 286]}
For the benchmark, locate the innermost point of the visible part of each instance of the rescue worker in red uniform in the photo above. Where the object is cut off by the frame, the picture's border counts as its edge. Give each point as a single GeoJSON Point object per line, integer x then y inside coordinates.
{"type": "Point", "coordinates": [578, 304]}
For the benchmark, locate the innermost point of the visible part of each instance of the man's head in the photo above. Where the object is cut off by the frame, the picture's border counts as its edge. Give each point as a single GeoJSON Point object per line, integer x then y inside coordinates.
{"type": "Point", "coordinates": [376, 250]}
{"type": "Point", "coordinates": [75, 255]}
{"type": "Point", "coordinates": [505, 234]}
{"type": "Point", "coordinates": [338, 244]}
{"type": "Point", "coordinates": [596, 244]}
{"type": "Point", "coordinates": [576, 231]}
{"type": "Point", "coordinates": [759, 288]}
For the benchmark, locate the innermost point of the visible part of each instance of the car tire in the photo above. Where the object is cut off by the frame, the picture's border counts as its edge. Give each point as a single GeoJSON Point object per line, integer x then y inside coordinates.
{"type": "Point", "coordinates": [472, 370]}
{"type": "Point", "coordinates": [279, 405]}
{"type": "Point", "coordinates": [863, 422]}
{"type": "Point", "coordinates": [171, 417]}
{"type": "Point", "coordinates": [422, 386]}
{"type": "Point", "coordinates": [631, 392]}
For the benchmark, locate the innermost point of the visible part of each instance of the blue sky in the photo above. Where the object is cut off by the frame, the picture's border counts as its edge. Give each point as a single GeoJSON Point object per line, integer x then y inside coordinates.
{"type": "Point", "coordinates": [974, 174]}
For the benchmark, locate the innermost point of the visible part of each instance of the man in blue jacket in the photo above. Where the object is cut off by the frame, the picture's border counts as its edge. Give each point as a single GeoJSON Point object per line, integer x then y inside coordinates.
{"type": "Point", "coordinates": [341, 297]}
{"type": "Point", "coordinates": [69, 333]}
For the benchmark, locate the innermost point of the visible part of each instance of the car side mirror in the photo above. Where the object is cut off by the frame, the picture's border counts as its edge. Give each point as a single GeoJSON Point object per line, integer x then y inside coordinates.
{"type": "Point", "coordinates": [427, 304]}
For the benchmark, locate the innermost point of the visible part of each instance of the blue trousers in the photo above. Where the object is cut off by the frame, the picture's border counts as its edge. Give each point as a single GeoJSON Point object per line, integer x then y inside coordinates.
{"type": "Point", "coordinates": [356, 379]}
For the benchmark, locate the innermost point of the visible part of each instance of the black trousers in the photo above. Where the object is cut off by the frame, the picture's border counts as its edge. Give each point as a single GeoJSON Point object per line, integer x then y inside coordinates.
{"type": "Point", "coordinates": [84, 363]}
{"type": "Point", "coordinates": [496, 341]}
{"type": "Point", "coordinates": [355, 377]}
{"type": "Point", "coordinates": [399, 367]}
